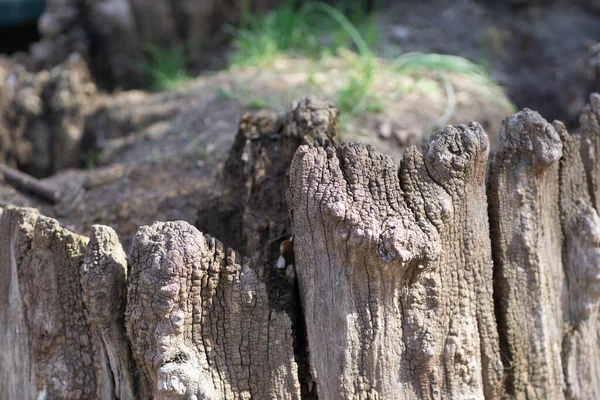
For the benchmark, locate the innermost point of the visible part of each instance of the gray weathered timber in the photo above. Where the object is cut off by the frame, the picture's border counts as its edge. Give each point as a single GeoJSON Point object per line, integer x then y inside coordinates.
{"type": "Point", "coordinates": [394, 268]}
{"type": "Point", "coordinates": [62, 326]}
{"type": "Point", "coordinates": [581, 257]}
{"type": "Point", "coordinates": [49, 352]}
{"type": "Point", "coordinates": [590, 146]}
{"type": "Point", "coordinates": [17, 380]}
{"type": "Point", "coordinates": [250, 211]}
{"type": "Point", "coordinates": [104, 284]}
{"type": "Point", "coordinates": [404, 290]}
{"type": "Point", "coordinates": [199, 321]}
{"type": "Point", "coordinates": [546, 235]}
{"type": "Point", "coordinates": [529, 278]}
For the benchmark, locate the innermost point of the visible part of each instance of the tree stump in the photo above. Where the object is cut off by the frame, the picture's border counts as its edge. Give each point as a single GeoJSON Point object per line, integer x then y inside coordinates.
{"type": "Point", "coordinates": [396, 285]}
{"type": "Point", "coordinates": [395, 268]}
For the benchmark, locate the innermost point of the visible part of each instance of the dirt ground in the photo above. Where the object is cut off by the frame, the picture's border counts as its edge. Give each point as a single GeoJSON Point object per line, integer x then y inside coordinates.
{"type": "Point", "coordinates": [545, 54]}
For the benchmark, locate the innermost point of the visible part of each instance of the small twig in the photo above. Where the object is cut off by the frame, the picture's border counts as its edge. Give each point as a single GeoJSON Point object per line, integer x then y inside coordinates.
{"type": "Point", "coordinates": [279, 237]}
{"type": "Point", "coordinates": [27, 183]}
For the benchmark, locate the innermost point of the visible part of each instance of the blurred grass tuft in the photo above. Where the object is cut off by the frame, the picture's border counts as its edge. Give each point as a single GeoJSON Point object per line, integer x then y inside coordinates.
{"type": "Point", "coordinates": [166, 67]}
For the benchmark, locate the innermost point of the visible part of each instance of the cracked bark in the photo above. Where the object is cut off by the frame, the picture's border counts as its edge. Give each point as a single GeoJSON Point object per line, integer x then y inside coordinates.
{"type": "Point", "coordinates": [104, 280]}
{"type": "Point", "coordinates": [581, 256]}
{"type": "Point", "coordinates": [529, 279]}
{"type": "Point", "coordinates": [251, 212]}
{"type": "Point", "coordinates": [256, 175]}
{"type": "Point", "coordinates": [198, 317]}
{"type": "Point", "coordinates": [199, 320]}
{"type": "Point", "coordinates": [47, 346]}
{"type": "Point", "coordinates": [547, 256]}
{"type": "Point", "coordinates": [395, 269]}
{"type": "Point", "coordinates": [16, 372]}
{"type": "Point", "coordinates": [590, 146]}
{"type": "Point", "coordinates": [63, 334]}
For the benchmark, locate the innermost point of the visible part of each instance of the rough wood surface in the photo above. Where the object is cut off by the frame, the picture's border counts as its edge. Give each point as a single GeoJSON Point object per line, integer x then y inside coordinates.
{"type": "Point", "coordinates": [581, 257]}
{"type": "Point", "coordinates": [590, 146]}
{"type": "Point", "coordinates": [104, 280]}
{"type": "Point", "coordinates": [17, 379]}
{"type": "Point", "coordinates": [389, 290]}
{"type": "Point", "coordinates": [46, 300]}
{"type": "Point", "coordinates": [199, 321]}
{"type": "Point", "coordinates": [395, 269]}
{"type": "Point", "coordinates": [251, 212]}
{"type": "Point", "coordinates": [198, 317]}
{"type": "Point", "coordinates": [529, 277]}
{"type": "Point", "coordinates": [547, 256]}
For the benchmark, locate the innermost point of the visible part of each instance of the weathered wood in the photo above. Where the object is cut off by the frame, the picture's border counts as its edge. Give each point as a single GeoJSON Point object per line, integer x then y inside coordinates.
{"type": "Point", "coordinates": [529, 277]}
{"type": "Point", "coordinates": [17, 377]}
{"type": "Point", "coordinates": [104, 280]}
{"type": "Point", "coordinates": [590, 146]}
{"type": "Point", "coordinates": [251, 211]}
{"type": "Point", "coordinates": [28, 183]}
{"type": "Point", "coordinates": [547, 256]}
{"type": "Point", "coordinates": [47, 325]}
{"type": "Point", "coordinates": [63, 316]}
{"type": "Point", "coordinates": [199, 321]}
{"type": "Point", "coordinates": [581, 257]}
{"type": "Point", "coordinates": [395, 269]}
